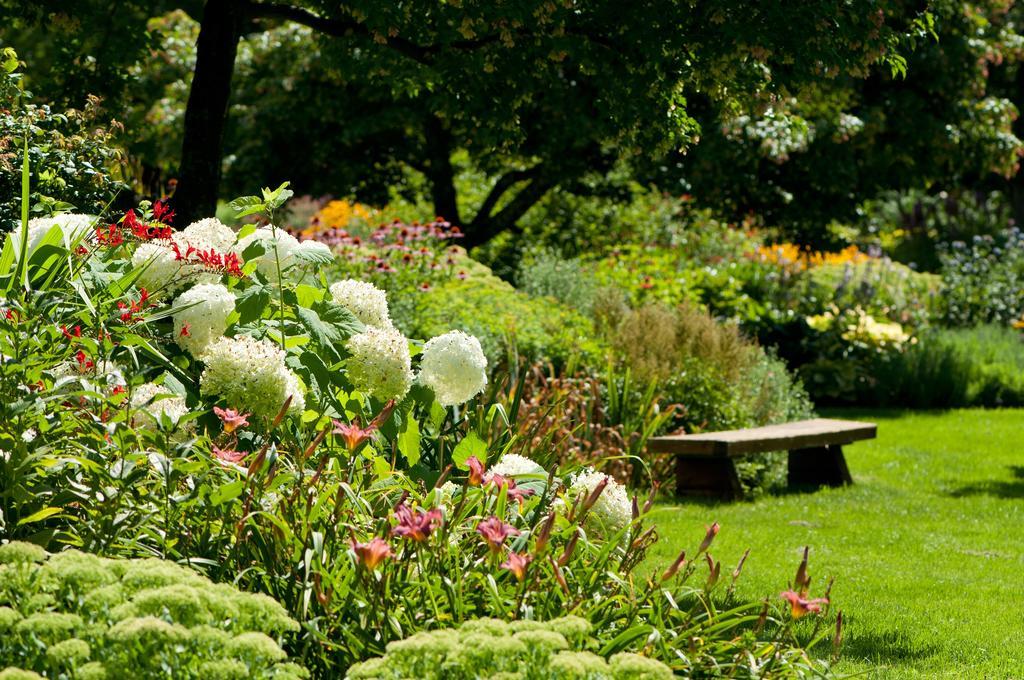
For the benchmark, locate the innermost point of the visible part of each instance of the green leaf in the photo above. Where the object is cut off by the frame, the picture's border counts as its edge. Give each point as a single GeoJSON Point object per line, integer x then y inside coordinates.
{"type": "Point", "coordinates": [340, 318]}
{"type": "Point", "coordinates": [471, 445]}
{"type": "Point", "coordinates": [247, 205]}
{"type": "Point", "coordinates": [251, 304]}
{"type": "Point", "coordinates": [39, 515]}
{"type": "Point", "coordinates": [227, 492]}
{"type": "Point", "coordinates": [325, 335]}
{"type": "Point", "coordinates": [409, 440]}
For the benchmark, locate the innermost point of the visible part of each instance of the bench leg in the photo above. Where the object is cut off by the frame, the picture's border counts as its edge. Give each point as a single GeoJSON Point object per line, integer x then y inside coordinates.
{"type": "Point", "coordinates": [707, 477]}
{"type": "Point", "coordinates": [819, 466]}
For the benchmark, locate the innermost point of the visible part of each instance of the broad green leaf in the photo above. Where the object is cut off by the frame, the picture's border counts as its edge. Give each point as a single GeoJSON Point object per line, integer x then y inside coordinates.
{"type": "Point", "coordinates": [251, 304]}
{"type": "Point", "coordinates": [471, 445]}
{"type": "Point", "coordinates": [323, 334]}
{"type": "Point", "coordinates": [409, 440]}
{"type": "Point", "coordinates": [227, 492]}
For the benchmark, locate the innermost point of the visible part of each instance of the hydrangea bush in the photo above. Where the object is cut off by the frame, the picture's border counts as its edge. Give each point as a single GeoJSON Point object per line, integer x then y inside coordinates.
{"type": "Point", "coordinates": [75, 615]}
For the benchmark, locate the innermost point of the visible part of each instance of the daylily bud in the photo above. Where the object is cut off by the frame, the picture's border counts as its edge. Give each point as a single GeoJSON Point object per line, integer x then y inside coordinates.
{"type": "Point", "coordinates": [650, 498]}
{"type": "Point", "coordinates": [801, 582]}
{"type": "Point", "coordinates": [545, 534]}
{"type": "Point", "coordinates": [674, 567]}
{"type": "Point", "coordinates": [636, 509]}
{"type": "Point", "coordinates": [712, 531]}
{"type": "Point", "coordinates": [715, 569]}
{"type": "Point", "coordinates": [569, 547]}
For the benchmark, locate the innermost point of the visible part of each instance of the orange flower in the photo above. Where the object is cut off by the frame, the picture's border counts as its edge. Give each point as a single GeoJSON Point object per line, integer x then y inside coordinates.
{"type": "Point", "coordinates": [231, 418]}
{"type": "Point", "coordinates": [517, 564]}
{"type": "Point", "coordinates": [800, 606]}
{"type": "Point", "coordinates": [371, 554]}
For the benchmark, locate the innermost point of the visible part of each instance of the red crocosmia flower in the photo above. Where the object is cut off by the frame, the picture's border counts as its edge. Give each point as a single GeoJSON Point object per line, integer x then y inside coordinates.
{"type": "Point", "coordinates": [84, 363]}
{"type": "Point", "coordinates": [231, 418]}
{"type": "Point", "coordinates": [118, 389]}
{"type": "Point", "coordinates": [476, 471]}
{"type": "Point", "coordinates": [75, 332]}
{"type": "Point", "coordinates": [371, 554]}
{"type": "Point", "coordinates": [800, 606]}
{"type": "Point", "coordinates": [494, 531]}
{"type": "Point", "coordinates": [162, 212]}
{"type": "Point", "coordinates": [109, 236]}
{"type": "Point", "coordinates": [416, 525]}
{"type": "Point", "coordinates": [130, 312]}
{"type": "Point", "coordinates": [81, 250]}
{"type": "Point", "coordinates": [517, 563]}
{"type": "Point", "coordinates": [228, 455]}
{"type": "Point", "coordinates": [186, 330]}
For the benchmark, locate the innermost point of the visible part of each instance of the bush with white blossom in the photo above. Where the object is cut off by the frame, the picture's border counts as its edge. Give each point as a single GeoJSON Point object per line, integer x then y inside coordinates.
{"type": "Point", "coordinates": [380, 364]}
{"type": "Point", "coordinates": [204, 316]}
{"type": "Point", "coordinates": [250, 375]}
{"type": "Point", "coordinates": [454, 367]}
{"type": "Point", "coordinates": [613, 510]}
{"type": "Point", "coordinates": [210, 231]}
{"type": "Point", "coordinates": [152, 402]}
{"type": "Point", "coordinates": [367, 302]}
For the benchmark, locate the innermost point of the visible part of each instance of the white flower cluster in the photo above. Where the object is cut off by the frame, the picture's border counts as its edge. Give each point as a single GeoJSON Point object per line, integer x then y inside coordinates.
{"type": "Point", "coordinates": [272, 239]}
{"type": "Point", "coordinates": [163, 268]}
{"type": "Point", "coordinates": [454, 367]}
{"type": "Point", "coordinates": [613, 509]}
{"type": "Point", "coordinates": [367, 302]}
{"type": "Point", "coordinates": [250, 375]}
{"type": "Point", "coordinates": [150, 402]}
{"type": "Point", "coordinates": [380, 364]}
{"type": "Point", "coordinates": [210, 232]}
{"type": "Point", "coordinates": [73, 226]}
{"type": "Point", "coordinates": [205, 317]}
{"type": "Point", "coordinates": [513, 465]}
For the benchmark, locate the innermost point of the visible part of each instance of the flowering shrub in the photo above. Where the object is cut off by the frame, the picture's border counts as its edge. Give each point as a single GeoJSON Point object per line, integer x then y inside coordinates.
{"type": "Point", "coordinates": [984, 279]}
{"type": "Point", "coordinates": [793, 258]}
{"type": "Point", "coordinates": [492, 648]}
{"type": "Point", "coordinates": [82, 616]}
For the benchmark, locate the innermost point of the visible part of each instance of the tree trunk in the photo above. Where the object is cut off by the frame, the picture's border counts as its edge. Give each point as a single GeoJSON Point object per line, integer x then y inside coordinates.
{"type": "Point", "coordinates": [206, 112]}
{"type": "Point", "coordinates": [439, 170]}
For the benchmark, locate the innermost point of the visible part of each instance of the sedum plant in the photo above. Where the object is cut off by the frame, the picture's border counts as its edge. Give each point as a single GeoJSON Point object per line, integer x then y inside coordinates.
{"type": "Point", "coordinates": [75, 615]}
{"type": "Point", "coordinates": [521, 650]}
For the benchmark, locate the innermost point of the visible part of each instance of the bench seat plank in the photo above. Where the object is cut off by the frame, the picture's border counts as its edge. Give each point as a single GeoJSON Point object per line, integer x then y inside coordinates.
{"type": "Point", "coordinates": [804, 434]}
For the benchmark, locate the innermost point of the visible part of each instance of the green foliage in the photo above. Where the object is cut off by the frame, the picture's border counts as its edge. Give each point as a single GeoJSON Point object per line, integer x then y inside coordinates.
{"type": "Point", "coordinates": [508, 322]}
{"type": "Point", "coordinates": [70, 153]}
{"type": "Point", "coordinates": [492, 648]}
{"type": "Point", "coordinates": [984, 279]}
{"type": "Point", "coordinates": [77, 615]}
{"type": "Point", "coordinates": [951, 368]}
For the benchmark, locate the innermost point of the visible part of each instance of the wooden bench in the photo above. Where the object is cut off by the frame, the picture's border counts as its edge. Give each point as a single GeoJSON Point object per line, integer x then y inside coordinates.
{"type": "Point", "coordinates": [705, 463]}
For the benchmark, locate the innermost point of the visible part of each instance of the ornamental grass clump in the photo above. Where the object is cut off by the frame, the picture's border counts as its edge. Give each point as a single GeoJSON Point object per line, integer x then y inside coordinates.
{"type": "Point", "coordinates": [75, 615]}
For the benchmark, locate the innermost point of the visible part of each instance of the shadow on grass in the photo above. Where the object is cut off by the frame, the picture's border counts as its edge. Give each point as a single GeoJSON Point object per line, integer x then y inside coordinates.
{"type": "Point", "coordinates": [888, 646]}
{"type": "Point", "coordinates": [999, 488]}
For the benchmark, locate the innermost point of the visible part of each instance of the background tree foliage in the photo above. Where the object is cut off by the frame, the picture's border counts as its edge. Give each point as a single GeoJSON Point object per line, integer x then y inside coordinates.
{"type": "Point", "coordinates": [538, 92]}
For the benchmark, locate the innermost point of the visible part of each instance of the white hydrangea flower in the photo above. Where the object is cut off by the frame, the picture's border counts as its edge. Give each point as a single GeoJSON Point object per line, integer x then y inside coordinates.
{"type": "Point", "coordinates": [250, 375]}
{"type": "Point", "coordinates": [163, 269]}
{"type": "Point", "coordinates": [512, 465]}
{"type": "Point", "coordinates": [206, 319]}
{"type": "Point", "coordinates": [613, 509]}
{"type": "Point", "coordinates": [29, 435]}
{"type": "Point", "coordinates": [380, 364]}
{"type": "Point", "coordinates": [210, 232]}
{"type": "Point", "coordinates": [294, 389]}
{"type": "Point", "coordinates": [454, 367]}
{"type": "Point", "coordinates": [271, 238]}
{"type": "Point", "coordinates": [72, 226]}
{"type": "Point", "coordinates": [366, 301]}
{"type": "Point", "coordinates": [151, 401]}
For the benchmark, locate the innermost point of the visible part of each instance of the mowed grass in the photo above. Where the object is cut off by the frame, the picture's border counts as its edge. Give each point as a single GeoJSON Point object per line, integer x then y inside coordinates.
{"type": "Point", "coordinates": [927, 547]}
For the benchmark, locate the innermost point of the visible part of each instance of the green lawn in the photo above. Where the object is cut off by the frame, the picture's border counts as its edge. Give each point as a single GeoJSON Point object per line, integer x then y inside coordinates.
{"type": "Point", "coordinates": [927, 547]}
